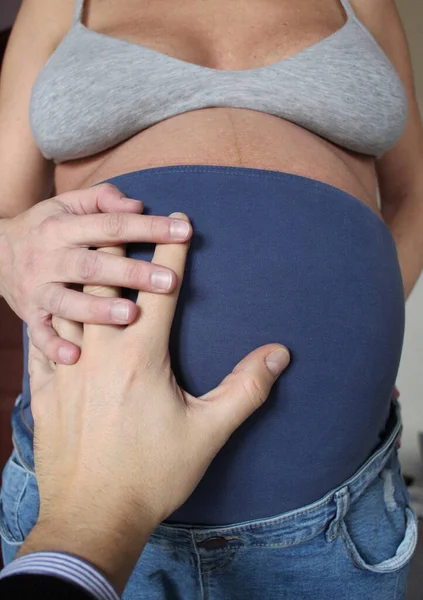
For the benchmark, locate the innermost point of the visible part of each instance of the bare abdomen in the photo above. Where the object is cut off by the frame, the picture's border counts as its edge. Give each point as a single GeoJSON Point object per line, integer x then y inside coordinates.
{"type": "Point", "coordinates": [231, 137]}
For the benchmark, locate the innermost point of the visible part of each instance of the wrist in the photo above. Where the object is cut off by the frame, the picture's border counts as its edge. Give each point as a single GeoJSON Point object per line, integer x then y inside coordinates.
{"type": "Point", "coordinates": [113, 546]}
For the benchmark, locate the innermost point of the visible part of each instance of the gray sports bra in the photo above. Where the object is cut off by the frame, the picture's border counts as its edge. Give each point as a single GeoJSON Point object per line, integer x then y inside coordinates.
{"type": "Point", "coordinates": [96, 91]}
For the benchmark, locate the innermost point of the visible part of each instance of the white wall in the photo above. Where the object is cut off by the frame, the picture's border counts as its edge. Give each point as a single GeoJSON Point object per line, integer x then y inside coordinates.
{"type": "Point", "coordinates": [410, 379]}
{"type": "Point", "coordinates": [8, 10]}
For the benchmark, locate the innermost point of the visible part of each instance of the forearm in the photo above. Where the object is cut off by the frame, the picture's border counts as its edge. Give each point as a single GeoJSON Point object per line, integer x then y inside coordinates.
{"type": "Point", "coordinates": [404, 217]}
{"type": "Point", "coordinates": [113, 549]}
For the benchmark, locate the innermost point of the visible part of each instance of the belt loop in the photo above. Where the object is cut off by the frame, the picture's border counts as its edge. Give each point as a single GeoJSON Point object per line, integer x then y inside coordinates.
{"type": "Point", "coordinates": [342, 499]}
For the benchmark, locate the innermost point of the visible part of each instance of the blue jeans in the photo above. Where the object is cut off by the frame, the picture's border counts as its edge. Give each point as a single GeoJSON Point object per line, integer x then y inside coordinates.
{"type": "Point", "coordinates": [355, 543]}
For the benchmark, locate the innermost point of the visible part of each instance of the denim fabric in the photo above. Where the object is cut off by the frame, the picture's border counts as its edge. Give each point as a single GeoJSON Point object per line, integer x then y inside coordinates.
{"type": "Point", "coordinates": [355, 543]}
{"type": "Point", "coordinates": [277, 257]}
{"type": "Point", "coordinates": [19, 498]}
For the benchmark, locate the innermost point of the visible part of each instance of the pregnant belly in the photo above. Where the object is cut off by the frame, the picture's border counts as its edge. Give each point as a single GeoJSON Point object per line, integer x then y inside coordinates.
{"type": "Point", "coordinates": [281, 258]}
{"type": "Point", "coordinates": [230, 137]}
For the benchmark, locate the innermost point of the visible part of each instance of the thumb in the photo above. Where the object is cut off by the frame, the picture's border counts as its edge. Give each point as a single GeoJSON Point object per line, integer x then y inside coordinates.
{"type": "Point", "coordinates": [244, 390]}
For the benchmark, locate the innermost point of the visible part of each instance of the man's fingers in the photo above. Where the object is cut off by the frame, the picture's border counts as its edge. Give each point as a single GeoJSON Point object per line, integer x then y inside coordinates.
{"type": "Point", "coordinates": [108, 292]}
{"type": "Point", "coordinates": [162, 308]}
{"type": "Point", "coordinates": [100, 230]}
{"type": "Point", "coordinates": [68, 330]}
{"type": "Point", "coordinates": [101, 269]}
{"type": "Point", "coordinates": [104, 197]}
{"type": "Point", "coordinates": [243, 391]}
{"type": "Point", "coordinates": [39, 367]}
{"type": "Point", "coordinates": [86, 308]}
{"type": "Point", "coordinates": [59, 351]}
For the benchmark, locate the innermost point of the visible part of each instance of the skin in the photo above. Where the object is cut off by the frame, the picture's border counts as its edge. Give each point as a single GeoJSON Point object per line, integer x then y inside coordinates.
{"type": "Point", "coordinates": [54, 234]}
{"type": "Point", "coordinates": [235, 137]}
{"type": "Point", "coordinates": [119, 416]}
{"type": "Point", "coordinates": [197, 32]}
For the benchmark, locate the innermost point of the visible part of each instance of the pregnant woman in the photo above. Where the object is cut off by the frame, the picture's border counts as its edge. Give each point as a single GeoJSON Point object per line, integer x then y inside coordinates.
{"type": "Point", "coordinates": [273, 126]}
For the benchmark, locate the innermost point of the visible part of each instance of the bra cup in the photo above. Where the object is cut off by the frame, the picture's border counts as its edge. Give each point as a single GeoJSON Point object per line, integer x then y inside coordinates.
{"type": "Point", "coordinates": [97, 91]}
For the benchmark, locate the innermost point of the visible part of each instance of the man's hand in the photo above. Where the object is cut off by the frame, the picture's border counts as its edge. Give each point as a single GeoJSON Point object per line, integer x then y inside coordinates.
{"type": "Point", "coordinates": [50, 246]}
{"type": "Point", "coordinates": [118, 444]}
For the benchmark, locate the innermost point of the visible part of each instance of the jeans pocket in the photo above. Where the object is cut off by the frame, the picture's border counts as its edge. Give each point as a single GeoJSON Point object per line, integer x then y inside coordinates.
{"type": "Point", "coordinates": [18, 501]}
{"type": "Point", "coordinates": [380, 529]}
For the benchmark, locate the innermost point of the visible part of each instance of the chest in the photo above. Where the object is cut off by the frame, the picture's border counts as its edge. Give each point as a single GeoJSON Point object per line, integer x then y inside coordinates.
{"type": "Point", "coordinates": [219, 34]}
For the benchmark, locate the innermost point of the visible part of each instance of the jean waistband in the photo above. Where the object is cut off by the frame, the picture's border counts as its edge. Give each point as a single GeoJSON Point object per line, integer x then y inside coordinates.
{"type": "Point", "coordinates": [301, 524]}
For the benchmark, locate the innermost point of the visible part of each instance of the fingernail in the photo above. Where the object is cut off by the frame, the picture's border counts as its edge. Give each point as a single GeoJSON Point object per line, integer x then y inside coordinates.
{"type": "Point", "coordinates": [65, 355]}
{"type": "Point", "coordinates": [125, 199]}
{"type": "Point", "coordinates": [161, 280]}
{"type": "Point", "coordinates": [120, 312]}
{"type": "Point", "coordinates": [277, 361]}
{"type": "Point", "coordinates": [179, 229]}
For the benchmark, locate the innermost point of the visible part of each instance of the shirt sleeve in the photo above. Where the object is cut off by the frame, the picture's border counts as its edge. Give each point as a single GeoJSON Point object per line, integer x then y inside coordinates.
{"type": "Point", "coordinates": [66, 567]}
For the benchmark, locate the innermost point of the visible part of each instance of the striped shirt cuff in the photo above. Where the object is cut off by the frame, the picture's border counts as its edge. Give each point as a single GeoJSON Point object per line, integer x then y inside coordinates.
{"type": "Point", "coordinates": [65, 566]}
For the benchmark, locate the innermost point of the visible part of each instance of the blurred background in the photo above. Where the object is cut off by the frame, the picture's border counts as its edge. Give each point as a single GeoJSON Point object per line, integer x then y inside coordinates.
{"type": "Point", "coordinates": [410, 379]}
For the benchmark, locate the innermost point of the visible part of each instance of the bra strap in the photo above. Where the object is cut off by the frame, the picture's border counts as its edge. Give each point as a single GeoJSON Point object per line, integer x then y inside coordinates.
{"type": "Point", "coordinates": [348, 8]}
{"type": "Point", "coordinates": [79, 9]}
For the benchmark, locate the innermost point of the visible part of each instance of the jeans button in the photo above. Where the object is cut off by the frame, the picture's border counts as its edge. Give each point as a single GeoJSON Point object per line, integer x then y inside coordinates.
{"type": "Point", "coordinates": [214, 543]}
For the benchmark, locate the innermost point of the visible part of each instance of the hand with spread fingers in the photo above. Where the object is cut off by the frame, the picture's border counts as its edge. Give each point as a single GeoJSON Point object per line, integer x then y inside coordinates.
{"type": "Point", "coordinates": [118, 444]}
{"type": "Point", "coordinates": [50, 247]}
